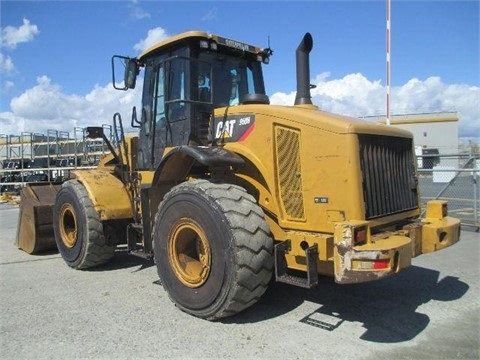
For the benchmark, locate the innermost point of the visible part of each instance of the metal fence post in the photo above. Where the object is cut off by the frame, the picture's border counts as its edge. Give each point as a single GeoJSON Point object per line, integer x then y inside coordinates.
{"type": "Point", "coordinates": [475, 195]}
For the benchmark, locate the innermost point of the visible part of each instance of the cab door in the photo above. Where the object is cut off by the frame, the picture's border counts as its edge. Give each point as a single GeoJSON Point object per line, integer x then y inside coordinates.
{"type": "Point", "coordinates": [152, 135]}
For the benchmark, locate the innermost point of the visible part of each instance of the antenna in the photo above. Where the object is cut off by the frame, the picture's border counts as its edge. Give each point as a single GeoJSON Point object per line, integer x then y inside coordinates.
{"type": "Point", "coordinates": [268, 50]}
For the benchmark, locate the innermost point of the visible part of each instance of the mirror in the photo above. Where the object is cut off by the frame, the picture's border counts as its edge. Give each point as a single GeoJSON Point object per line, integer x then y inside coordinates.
{"type": "Point", "coordinates": [131, 72]}
{"type": "Point", "coordinates": [129, 76]}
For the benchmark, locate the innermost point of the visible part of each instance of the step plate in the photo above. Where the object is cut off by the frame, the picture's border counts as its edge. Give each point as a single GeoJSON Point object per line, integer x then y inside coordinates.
{"type": "Point", "coordinates": [281, 270]}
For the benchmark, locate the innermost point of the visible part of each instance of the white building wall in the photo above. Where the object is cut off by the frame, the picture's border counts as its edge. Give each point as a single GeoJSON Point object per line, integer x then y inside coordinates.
{"type": "Point", "coordinates": [430, 130]}
{"type": "Point", "coordinates": [443, 135]}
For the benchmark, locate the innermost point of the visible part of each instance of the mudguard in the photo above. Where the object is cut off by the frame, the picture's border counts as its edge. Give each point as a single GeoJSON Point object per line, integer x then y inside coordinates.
{"type": "Point", "coordinates": [178, 162]}
{"type": "Point", "coordinates": [109, 195]}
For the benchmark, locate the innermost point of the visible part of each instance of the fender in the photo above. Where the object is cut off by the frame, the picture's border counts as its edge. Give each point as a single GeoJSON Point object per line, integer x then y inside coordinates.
{"type": "Point", "coordinates": [178, 162]}
{"type": "Point", "coordinates": [109, 195]}
{"type": "Point", "coordinates": [175, 167]}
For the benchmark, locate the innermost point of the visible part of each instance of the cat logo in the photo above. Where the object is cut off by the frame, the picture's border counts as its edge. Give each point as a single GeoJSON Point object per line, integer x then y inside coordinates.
{"type": "Point", "coordinates": [234, 127]}
{"type": "Point", "coordinates": [225, 129]}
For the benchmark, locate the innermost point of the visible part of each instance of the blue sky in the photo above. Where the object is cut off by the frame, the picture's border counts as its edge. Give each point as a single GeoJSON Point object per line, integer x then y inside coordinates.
{"type": "Point", "coordinates": [59, 51]}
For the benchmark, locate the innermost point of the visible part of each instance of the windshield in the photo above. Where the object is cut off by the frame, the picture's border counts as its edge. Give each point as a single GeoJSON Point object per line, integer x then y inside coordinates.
{"type": "Point", "coordinates": [225, 80]}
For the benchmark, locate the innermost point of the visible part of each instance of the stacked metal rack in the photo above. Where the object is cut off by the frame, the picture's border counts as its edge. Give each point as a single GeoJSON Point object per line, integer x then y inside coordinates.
{"type": "Point", "coordinates": [50, 156]}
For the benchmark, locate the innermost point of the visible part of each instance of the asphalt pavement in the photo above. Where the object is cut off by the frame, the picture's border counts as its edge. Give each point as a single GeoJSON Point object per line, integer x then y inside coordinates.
{"type": "Point", "coordinates": [120, 311]}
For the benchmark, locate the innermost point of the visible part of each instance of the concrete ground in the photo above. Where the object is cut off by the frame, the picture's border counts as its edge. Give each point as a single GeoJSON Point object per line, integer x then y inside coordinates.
{"type": "Point", "coordinates": [49, 311]}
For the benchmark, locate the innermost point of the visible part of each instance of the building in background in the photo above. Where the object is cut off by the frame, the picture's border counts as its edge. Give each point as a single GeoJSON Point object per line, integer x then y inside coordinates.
{"type": "Point", "coordinates": [432, 133]}
{"type": "Point", "coordinates": [430, 130]}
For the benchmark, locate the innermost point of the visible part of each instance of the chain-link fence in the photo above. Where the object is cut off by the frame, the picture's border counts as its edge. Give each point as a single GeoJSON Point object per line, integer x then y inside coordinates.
{"type": "Point", "coordinates": [454, 178]}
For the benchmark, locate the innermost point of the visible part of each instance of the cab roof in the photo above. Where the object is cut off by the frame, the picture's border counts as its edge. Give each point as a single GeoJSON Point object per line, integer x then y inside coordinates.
{"type": "Point", "coordinates": [190, 35]}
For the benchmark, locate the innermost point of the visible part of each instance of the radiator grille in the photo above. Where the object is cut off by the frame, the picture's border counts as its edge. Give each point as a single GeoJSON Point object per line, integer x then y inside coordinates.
{"type": "Point", "coordinates": [388, 172]}
{"type": "Point", "coordinates": [289, 172]}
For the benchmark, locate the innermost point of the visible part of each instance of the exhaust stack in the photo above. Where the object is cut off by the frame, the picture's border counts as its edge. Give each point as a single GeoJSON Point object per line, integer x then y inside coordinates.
{"type": "Point", "coordinates": [303, 71]}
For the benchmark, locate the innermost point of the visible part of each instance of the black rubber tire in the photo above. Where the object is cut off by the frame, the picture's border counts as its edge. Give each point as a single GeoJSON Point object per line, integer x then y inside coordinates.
{"type": "Point", "coordinates": [78, 230]}
{"type": "Point", "coordinates": [237, 235]}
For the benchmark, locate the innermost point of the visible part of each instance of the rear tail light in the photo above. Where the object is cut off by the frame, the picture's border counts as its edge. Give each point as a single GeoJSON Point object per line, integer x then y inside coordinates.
{"type": "Point", "coordinates": [381, 264]}
{"type": "Point", "coordinates": [378, 264]}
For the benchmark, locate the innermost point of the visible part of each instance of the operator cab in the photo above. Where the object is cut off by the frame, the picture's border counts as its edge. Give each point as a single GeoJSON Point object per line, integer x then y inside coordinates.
{"type": "Point", "coordinates": [186, 78]}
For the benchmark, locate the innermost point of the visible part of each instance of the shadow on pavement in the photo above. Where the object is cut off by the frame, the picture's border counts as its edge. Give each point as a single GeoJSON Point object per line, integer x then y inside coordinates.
{"type": "Point", "coordinates": [123, 260]}
{"type": "Point", "coordinates": [387, 308]}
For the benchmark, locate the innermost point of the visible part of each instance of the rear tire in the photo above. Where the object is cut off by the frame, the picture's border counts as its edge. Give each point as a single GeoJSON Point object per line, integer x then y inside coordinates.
{"type": "Point", "coordinates": [78, 230]}
{"type": "Point", "coordinates": [212, 248]}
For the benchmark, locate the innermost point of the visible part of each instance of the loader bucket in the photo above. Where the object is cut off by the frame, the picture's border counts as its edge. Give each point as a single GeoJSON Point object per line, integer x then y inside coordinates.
{"type": "Point", "coordinates": [35, 224]}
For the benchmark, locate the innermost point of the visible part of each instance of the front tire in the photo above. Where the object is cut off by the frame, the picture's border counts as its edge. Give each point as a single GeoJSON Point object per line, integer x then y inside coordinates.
{"type": "Point", "coordinates": [212, 248]}
{"type": "Point", "coordinates": [78, 230]}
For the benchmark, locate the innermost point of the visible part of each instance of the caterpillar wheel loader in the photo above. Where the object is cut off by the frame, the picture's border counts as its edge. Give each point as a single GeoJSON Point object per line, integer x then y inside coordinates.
{"type": "Point", "coordinates": [225, 191]}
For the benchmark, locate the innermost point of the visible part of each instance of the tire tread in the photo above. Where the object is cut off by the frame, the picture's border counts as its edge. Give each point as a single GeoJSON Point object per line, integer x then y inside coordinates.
{"type": "Point", "coordinates": [97, 251]}
{"type": "Point", "coordinates": [253, 243]}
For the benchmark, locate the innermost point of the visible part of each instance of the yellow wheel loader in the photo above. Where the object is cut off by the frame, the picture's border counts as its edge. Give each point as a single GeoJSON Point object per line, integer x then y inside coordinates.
{"type": "Point", "coordinates": [225, 191]}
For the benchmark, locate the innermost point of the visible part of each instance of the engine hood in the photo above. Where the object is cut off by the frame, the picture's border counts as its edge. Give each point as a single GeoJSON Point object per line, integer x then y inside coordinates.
{"type": "Point", "coordinates": [310, 115]}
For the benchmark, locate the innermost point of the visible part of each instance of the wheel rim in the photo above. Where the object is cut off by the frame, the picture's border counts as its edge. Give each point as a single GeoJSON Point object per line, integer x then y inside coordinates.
{"type": "Point", "coordinates": [68, 226]}
{"type": "Point", "coordinates": [189, 253]}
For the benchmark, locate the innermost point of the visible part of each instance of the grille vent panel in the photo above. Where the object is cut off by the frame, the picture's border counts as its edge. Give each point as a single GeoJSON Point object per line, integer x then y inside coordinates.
{"type": "Point", "coordinates": [388, 174]}
{"type": "Point", "coordinates": [289, 172]}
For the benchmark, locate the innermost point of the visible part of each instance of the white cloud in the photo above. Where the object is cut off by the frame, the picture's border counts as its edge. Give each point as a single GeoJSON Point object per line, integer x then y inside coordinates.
{"type": "Point", "coordinates": [137, 13]}
{"type": "Point", "coordinates": [352, 95]}
{"type": "Point", "coordinates": [7, 85]}
{"type": "Point", "coordinates": [11, 36]}
{"type": "Point", "coordinates": [11, 124]}
{"type": "Point", "coordinates": [6, 65]}
{"type": "Point", "coordinates": [46, 107]}
{"type": "Point", "coordinates": [355, 95]}
{"type": "Point", "coordinates": [153, 36]}
{"type": "Point", "coordinates": [211, 14]}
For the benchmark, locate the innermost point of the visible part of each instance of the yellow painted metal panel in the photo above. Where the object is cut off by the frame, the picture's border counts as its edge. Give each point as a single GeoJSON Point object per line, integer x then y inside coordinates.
{"type": "Point", "coordinates": [110, 197]}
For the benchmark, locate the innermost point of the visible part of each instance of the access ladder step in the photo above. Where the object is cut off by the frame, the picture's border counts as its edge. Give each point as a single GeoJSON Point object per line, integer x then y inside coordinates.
{"type": "Point", "coordinates": [281, 270]}
{"type": "Point", "coordinates": [141, 253]}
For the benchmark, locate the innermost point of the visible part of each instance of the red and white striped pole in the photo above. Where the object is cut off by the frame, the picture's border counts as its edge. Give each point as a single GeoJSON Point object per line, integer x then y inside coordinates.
{"type": "Point", "coordinates": [388, 63]}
